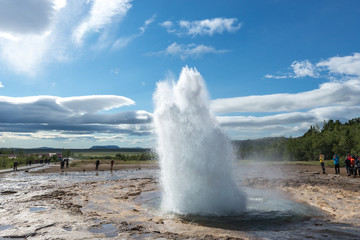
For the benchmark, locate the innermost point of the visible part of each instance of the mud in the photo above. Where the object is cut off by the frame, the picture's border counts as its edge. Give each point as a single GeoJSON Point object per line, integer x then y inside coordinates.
{"type": "Point", "coordinates": [126, 206]}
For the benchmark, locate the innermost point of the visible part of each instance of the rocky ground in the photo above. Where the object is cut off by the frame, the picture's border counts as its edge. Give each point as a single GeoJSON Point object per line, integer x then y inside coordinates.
{"type": "Point", "coordinates": [122, 209]}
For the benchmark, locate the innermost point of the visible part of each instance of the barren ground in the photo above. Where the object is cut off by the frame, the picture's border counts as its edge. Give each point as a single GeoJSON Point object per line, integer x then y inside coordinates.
{"type": "Point", "coordinates": [115, 209]}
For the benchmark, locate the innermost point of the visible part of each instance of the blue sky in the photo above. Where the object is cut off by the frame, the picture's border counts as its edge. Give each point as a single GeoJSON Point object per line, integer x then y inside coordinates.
{"type": "Point", "coordinates": [74, 74]}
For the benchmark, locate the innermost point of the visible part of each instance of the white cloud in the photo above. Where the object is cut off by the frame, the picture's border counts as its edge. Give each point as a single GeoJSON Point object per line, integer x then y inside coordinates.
{"type": "Point", "coordinates": [211, 26]}
{"type": "Point", "coordinates": [101, 14]}
{"type": "Point", "coordinates": [347, 65]}
{"type": "Point", "coordinates": [35, 33]}
{"type": "Point", "coordinates": [94, 103]}
{"type": "Point", "coordinates": [342, 65]}
{"type": "Point", "coordinates": [168, 25]}
{"type": "Point", "coordinates": [70, 122]}
{"type": "Point", "coordinates": [124, 41]}
{"type": "Point", "coordinates": [204, 27]}
{"type": "Point", "coordinates": [115, 70]}
{"type": "Point", "coordinates": [336, 100]}
{"type": "Point", "coordinates": [300, 69]}
{"type": "Point", "coordinates": [331, 93]}
{"type": "Point", "coordinates": [27, 54]}
{"type": "Point", "coordinates": [190, 50]}
{"type": "Point", "coordinates": [147, 23]}
{"type": "Point", "coordinates": [25, 17]}
{"type": "Point", "coordinates": [59, 4]}
{"type": "Point", "coordinates": [27, 32]}
{"type": "Point", "coordinates": [84, 114]}
{"type": "Point", "coordinates": [303, 69]}
{"type": "Point", "coordinates": [287, 124]}
{"type": "Point", "coordinates": [278, 119]}
{"type": "Point", "coordinates": [273, 76]}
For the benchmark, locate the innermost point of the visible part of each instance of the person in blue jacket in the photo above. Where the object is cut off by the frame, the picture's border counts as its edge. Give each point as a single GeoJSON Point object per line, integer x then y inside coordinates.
{"type": "Point", "coordinates": [336, 164]}
{"type": "Point", "coordinates": [357, 165]}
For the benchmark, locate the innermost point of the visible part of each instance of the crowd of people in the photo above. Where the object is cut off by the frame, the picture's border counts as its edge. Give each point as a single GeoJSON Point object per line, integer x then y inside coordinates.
{"type": "Point", "coordinates": [352, 164]}
{"type": "Point", "coordinates": [64, 162]}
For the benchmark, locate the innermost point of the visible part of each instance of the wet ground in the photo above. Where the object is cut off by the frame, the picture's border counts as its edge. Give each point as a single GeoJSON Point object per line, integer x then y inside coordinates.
{"type": "Point", "coordinates": [283, 203]}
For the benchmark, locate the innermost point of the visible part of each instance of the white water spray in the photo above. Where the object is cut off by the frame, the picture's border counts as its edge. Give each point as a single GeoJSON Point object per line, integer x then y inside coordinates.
{"type": "Point", "coordinates": [196, 157]}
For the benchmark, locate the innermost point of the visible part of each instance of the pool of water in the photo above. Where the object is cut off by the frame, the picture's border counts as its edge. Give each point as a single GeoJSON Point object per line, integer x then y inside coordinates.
{"type": "Point", "coordinates": [4, 227]}
{"type": "Point", "coordinates": [265, 209]}
{"type": "Point", "coordinates": [37, 209]}
{"type": "Point", "coordinates": [15, 183]}
{"type": "Point", "coordinates": [108, 229]}
{"type": "Point", "coordinates": [269, 215]}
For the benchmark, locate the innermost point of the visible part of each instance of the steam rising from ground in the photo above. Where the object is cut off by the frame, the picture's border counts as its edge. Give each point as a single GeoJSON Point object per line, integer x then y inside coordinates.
{"type": "Point", "coordinates": [196, 157]}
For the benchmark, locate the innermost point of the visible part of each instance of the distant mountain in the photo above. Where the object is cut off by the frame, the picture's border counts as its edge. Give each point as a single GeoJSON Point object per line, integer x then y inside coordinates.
{"type": "Point", "coordinates": [105, 147]}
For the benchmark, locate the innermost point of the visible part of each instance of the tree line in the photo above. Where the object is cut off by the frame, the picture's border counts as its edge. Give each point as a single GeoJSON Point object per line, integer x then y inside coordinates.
{"type": "Point", "coordinates": [333, 137]}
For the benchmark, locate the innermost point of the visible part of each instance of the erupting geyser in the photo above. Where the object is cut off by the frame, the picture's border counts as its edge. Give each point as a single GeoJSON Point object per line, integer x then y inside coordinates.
{"type": "Point", "coordinates": [196, 157]}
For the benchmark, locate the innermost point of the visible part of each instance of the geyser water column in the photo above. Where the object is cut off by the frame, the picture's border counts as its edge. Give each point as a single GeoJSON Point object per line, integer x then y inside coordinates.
{"type": "Point", "coordinates": [196, 157]}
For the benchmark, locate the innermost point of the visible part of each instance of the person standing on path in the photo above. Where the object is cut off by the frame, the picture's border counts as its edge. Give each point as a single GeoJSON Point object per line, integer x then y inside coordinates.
{"type": "Point", "coordinates": [356, 167]}
{"type": "Point", "coordinates": [97, 163]}
{"type": "Point", "coordinates": [112, 164]}
{"type": "Point", "coordinates": [321, 158]}
{"type": "Point", "coordinates": [357, 164]}
{"type": "Point", "coordinates": [15, 165]}
{"type": "Point", "coordinates": [336, 164]}
{"type": "Point", "coordinates": [352, 165]}
{"type": "Point", "coordinates": [347, 164]}
{"type": "Point", "coordinates": [62, 163]}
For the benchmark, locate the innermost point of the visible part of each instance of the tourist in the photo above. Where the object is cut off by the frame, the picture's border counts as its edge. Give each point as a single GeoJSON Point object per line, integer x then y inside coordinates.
{"type": "Point", "coordinates": [336, 164]}
{"type": "Point", "coordinates": [321, 158]}
{"type": "Point", "coordinates": [15, 165]}
{"type": "Point", "coordinates": [347, 164]}
{"type": "Point", "coordinates": [112, 164]}
{"type": "Point", "coordinates": [67, 163]}
{"type": "Point", "coordinates": [97, 163]}
{"type": "Point", "coordinates": [352, 165]}
{"type": "Point", "coordinates": [62, 163]}
{"type": "Point", "coordinates": [357, 165]}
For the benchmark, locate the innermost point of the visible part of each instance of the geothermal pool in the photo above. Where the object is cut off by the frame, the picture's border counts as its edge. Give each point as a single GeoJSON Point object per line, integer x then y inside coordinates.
{"type": "Point", "coordinates": [108, 203]}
